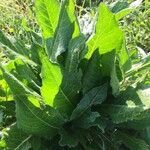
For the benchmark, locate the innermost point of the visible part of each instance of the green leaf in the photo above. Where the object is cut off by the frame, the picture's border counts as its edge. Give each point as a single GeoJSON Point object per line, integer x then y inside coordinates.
{"type": "Point", "coordinates": [92, 75]}
{"type": "Point", "coordinates": [6, 42]}
{"type": "Point", "coordinates": [68, 138]}
{"type": "Point", "coordinates": [24, 72]}
{"type": "Point", "coordinates": [2, 144]}
{"type": "Point", "coordinates": [37, 38]}
{"type": "Point", "coordinates": [138, 124]}
{"type": "Point", "coordinates": [1, 116]}
{"type": "Point", "coordinates": [75, 53]}
{"type": "Point", "coordinates": [45, 121]}
{"type": "Point", "coordinates": [15, 47]}
{"type": "Point", "coordinates": [124, 59]}
{"type": "Point", "coordinates": [63, 31]}
{"type": "Point", "coordinates": [52, 91]}
{"type": "Point", "coordinates": [2, 92]}
{"type": "Point", "coordinates": [17, 139]}
{"type": "Point", "coordinates": [119, 5]}
{"type": "Point", "coordinates": [108, 35]}
{"type": "Point", "coordinates": [114, 82]}
{"type": "Point", "coordinates": [146, 135]}
{"type": "Point", "coordinates": [72, 74]}
{"type": "Point", "coordinates": [51, 81]}
{"type": "Point", "coordinates": [131, 142]}
{"type": "Point", "coordinates": [131, 104]}
{"type": "Point", "coordinates": [108, 62]}
{"type": "Point", "coordinates": [93, 97]}
{"type": "Point", "coordinates": [119, 15]}
{"type": "Point", "coordinates": [66, 83]}
{"type": "Point", "coordinates": [36, 50]}
{"type": "Point", "coordinates": [47, 14]}
{"type": "Point", "coordinates": [87, 120]}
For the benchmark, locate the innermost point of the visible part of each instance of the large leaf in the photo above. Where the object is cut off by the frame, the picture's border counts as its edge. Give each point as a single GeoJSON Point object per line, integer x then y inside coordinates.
{"type": "Point", "coordinates": [87, 120]}
{"type": "Point", "coordinates": [124, 59]}
{"type": "Point", "coordinates": [51, 81]}
{"type": "Point", "coordinates": [17, 139]}
{"type": "Point", "coordinates": [146, 135]}
{"type": "Point", "coordinates": [132, 142]}
{"type": "Point", "coordinates": [108, 36]}
{"type": "Point", "coordinates": [108, 62]}
{"type": "Point", "coordinates": [24, 72]}
{"type": "Point", "coordinates": [15, 49]}
{"type": "Point", "coordinates": [92, 75]}
{"type": "Point", "coordinates": [72, 74]}
{"type": "Point", "coordinates": [71, 83]}
{"type": "Point", "coordinates": [137, 124]}
{"type": "Point", "coordinates": [36, 50]}
{"type": "Point", "coordinates": [13, 46]}
{"type": "Point", "coordinates": [63, 31]}
{"type": "Point", "coordinates": [6, 42]}
{"type": "Point", "coordinates": [47, 13]}
{"type": "Point", "coordinates": [93, 97]}
{"type": "Point", "coordinates": [61, 86]}
{"type": "Point", "coordinates": [52, 91]}
{"type": "Point", "coordinates": [68, 138]}
{"type": "Point", "coordinates": [132, 104]}
{"type": "Point", "coordinates": [45, 120]}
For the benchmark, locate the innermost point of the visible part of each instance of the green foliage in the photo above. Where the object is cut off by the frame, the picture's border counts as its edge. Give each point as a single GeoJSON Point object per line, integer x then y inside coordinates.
{"type": "Point", "coordinates": [15, 16]}
{"type": "Point", "coordinates": [73, 93]}
{"type": "Point", "coordinates": [136, 27]}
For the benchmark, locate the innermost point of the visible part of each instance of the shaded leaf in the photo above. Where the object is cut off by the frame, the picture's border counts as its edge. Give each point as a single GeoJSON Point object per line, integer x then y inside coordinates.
{"type": "Point", "coordinates": [45, 121]}
{"type": "Point", "coordinates": [131, 142]}
{"type": "Point", "coordinates": [64, 31]}
{"type": "Point", "coordinates": [92, 75]}
{"type": "Point", "coordinates": [17, 139]}
{"type": "Point", "coordinates": [87, 120]}
{"type": "Point", "coordinates": [93, 97]}
{"type": "Point", "coordinates": [68, 138]}
{"type": "Point", "coordinates": [131, 104]}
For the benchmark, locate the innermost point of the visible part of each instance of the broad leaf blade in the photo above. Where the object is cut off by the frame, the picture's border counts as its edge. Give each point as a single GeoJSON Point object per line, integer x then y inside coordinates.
{"type": "Point", "coordinates": [108, 35]}
{"type": "Point", "coordinates": [62, 85]}
{"type": "Point", "coordinates": [131, 104]}
{"type": "Point", "coordinates": [45, 121]}
{"type": "Point", "coordinates": [47, 13]}
{"type": "Point", "coordinates": [92, 76]}
{"type": "Point", "coordinates": [87, 120]}
{"type": "Point", "coordinates": [52, 91]}
{"type": "Point", "coordinates": [109, 69]}
{"type": "Point", "coordinates": [93, 97]}
{"type": "Point", "coordinates": [17, 139]}
{"type": "Point", "coordinates": [15, 47]}
{"type": "Point", "coordinates": [63, 31]}
{"type": "Point", "coordinates": [68, 138]}
{"type": "Point", "coordinates": [132, 142]}
{"type": "Point", "coordinates": [51, 81]}
{"type": "Point", "coordinates": [72, 74]}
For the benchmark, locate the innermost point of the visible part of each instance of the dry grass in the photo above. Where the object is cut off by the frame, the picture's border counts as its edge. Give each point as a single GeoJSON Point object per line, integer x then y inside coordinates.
{"type": "Point", "coordinates": [13, 13]}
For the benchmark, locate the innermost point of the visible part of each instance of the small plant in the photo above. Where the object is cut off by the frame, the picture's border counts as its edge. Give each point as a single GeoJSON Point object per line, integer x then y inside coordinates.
{"type": "Point", "coordinates": [73, 93]}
